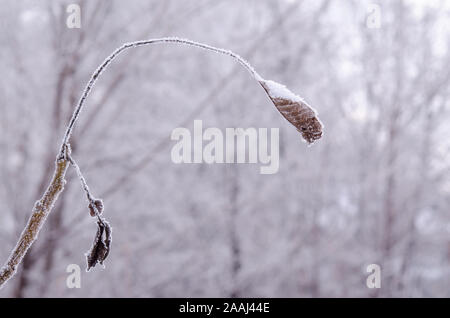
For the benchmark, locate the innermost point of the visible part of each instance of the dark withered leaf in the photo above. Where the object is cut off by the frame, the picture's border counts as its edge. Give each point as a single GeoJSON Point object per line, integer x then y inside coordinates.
{"type": "Point", "coordinates": [101, 246]}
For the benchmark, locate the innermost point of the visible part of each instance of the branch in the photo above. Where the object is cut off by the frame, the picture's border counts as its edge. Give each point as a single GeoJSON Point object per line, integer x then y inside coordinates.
{"type": "Point", "coordinates": [41, 210]}
{"type": "Point", "coordinates": [291, 106]}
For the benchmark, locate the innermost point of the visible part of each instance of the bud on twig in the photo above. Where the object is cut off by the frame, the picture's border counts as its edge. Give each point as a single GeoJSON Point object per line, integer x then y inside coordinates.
{"type": "Point", "coordinates": [96, 206]}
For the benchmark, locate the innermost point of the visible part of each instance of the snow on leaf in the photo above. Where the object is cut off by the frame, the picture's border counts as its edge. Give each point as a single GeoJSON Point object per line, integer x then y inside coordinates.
{"type": "Point", "coordinates": [295, 110]}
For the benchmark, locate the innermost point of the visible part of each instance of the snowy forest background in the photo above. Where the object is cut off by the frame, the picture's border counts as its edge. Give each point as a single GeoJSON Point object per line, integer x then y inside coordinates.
{"type": "Point", "coordinates": [374, 189]}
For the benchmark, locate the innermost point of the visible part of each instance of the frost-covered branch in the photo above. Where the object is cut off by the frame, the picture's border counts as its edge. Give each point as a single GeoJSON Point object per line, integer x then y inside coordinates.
{"type": "Point", "coordinates": [277, 88]}
{"type": "Point", "coordinates": [291, 106]}
{"type": "Point", "coordinates": [41, 210]}
{"type": "Point", "coordinates": [129, 45]}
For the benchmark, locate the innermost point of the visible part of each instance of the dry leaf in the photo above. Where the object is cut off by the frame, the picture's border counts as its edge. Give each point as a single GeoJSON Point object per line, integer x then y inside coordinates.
{"type": "Point", "coordinates": [101, 247]}
{"type": "Point", "coordinates": [295, 110]}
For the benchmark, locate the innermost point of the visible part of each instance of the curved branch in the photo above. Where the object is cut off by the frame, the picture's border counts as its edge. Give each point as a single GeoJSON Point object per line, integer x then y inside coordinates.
{"type": "Point", "coordinates": [126, 46]}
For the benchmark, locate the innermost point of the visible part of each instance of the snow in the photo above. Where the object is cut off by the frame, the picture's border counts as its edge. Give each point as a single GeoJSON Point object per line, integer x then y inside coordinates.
{"type": "Point", "coordinates": [277, 90]}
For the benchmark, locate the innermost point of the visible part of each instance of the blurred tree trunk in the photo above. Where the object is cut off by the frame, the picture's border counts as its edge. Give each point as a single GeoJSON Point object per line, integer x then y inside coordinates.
{"type": "Point", "coordinates": [235, 247]}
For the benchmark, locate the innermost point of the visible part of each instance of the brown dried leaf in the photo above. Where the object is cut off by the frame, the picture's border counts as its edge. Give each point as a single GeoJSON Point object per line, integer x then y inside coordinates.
{"type": "Point", "coordinates": [101, 247]}
{"type": "Point", "coordinates": [295, 110]}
